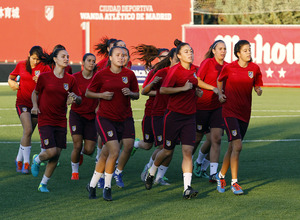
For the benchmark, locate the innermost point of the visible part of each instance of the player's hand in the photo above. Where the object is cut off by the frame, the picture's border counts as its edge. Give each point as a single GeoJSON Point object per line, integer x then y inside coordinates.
{"type": "Point", "coordinates": [187, 86]}
{"type": "Point", "coordinates": [199, 92]}
{"type": "Point", "coordinates": [35, 78]}
{"type": "Point", "coordinates": [71, 98]}
{"type": "Point", "coordinates": [216, 90]}
{"type": "Point", "coordinates": [156, 79]}
{"type": "Point", "coordinates": [222, 98]}
{"type": "Point", "coordinates": [126, 91]}
{"type": "Point", "coordinates": [258, 90]}
{"type": "Point", "coordinates": [35, 110]}
{"type": "Point", "coordinates": [13, 84]}
{"type": "Point", "coordinates": [107, 95]}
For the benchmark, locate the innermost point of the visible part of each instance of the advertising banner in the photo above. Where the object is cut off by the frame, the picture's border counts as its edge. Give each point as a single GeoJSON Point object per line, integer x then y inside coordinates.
{"type": "Point", "coordinates": [275, 48]}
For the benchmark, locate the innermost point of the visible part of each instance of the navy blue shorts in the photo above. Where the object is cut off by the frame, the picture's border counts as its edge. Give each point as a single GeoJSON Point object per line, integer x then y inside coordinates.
{"type": "Point", "coordinates": [179, 126]}
{"type": "Point", "coordinates": [147, 129]}
{"type": "Point", "coordinates": [157, 126]}
{"type": "Point", "coordinates": [129, 131]}
{"type": "Point", "coordinates": [109, 130]}
{"type": "Point", "coordinates": [235, 128]}
{"type": "Point", "coordinates": [206, 119]}
{"type": "Point", "coordinates": [82, 126]}
{"type": "Point", "coordinates": [53, 136]}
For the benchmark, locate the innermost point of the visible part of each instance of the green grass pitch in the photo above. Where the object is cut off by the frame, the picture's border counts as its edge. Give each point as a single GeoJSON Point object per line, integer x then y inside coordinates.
{"type": "Point", "coordinates": [268, 174]}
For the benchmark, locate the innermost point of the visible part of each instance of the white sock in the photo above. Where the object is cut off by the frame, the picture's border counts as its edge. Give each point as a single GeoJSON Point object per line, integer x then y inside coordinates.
{"type": "Point", "coordinates": [26, 154]}
{"type": "Point", "coordinates": [205, 164]}
{"type": "Point", "coordinates": [75, 167]}
{"type": "Point", "coordinates": [136, 144]}
{"type": "Point", "coordinates": [221, 175]}
{"type": "Point", "coordinates": [107, 180]}
{"type": "Point", "coordinates": [187, 180]}
{"type": "Point", "coordinates": [201, 156]}
{"type": "Point", "coordinates": [153, 169]}
{"type": "Point", "coordinates": [37, 159]}
{"type": "Point", "coordinates": [161, 172]}
{"type": "Point", "coordinates": [150, 162]}
{"type": "Point", "coordinates": [95, 179]}
{"type": "Point", "coordinates": [213, 168]}
{"type": "Point", "coordinates": [45, 180]}
{"type": "Point", "coordinates": [233, 181]}
{"type": "Point", "coordinates": [117, 171]}
{"type": "Point", "coordinates": [20, 153]}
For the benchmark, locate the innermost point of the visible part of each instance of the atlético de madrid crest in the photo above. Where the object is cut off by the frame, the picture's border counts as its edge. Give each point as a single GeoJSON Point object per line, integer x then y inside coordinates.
{"type": "Point", "coordinates": [250, 74]}
{"type": "Point", "coordinates": [66, 86]}
{"type": "Point", "coordinates": [49, 12]}
{"type": "Point", "coordinates": [125, 79]}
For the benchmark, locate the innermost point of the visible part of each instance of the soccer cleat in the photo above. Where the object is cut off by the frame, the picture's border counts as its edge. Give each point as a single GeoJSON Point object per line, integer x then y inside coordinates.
{"type": "Point", "coordinates": [134, 149]}
{"type": "Point", "coordinates": [144, 173]}
{"type": "Point", "coordinates": [75, 176]}
{"type": "Point", "coordinates": [165, 178]}
{"type": "Point", "coordinates": [80, 159]}
{"type": "Point", "coordinates": [190, 193]}
{"type": "Point", "coordinates": [43, 188]}
{"type": "Point", "coordinates": [118, 179]}
{"type": "Point", "coordinates": [43, 164]}
{"type": "Point", "coordinates": [203, 174]}
{"type": "Point", "coordinates": [25, 168]}
{"type": "Point", "coordinates": [92, 191]}
{"type": "Point", "coordinates": [161, 182]}
{"type": "Point", "coordinates": [107, 194]}
{"type": "Point", "coordinates": [197, 169]}
{"type": "Point", "coordinates": [212, 178]}
{"type": "Point", "coordinates": [19, 166]}
{"type": "Point", "coordinates": [221, 184]}
{"type": "Point", "coordinates": [35, 167]}
{"type": "Point", "coordinates": [100, 183]}
{"type": "Point", "coordinates": [149, 181]}
{"type": "Point", "coordinates": [236, 189]}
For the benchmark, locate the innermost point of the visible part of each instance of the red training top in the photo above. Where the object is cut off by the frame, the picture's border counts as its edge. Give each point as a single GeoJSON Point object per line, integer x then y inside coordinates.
{"type": "Point", "coordinates": [208, 72]}
{"type": "Point", "coordinates": [87, 107]}
{"type": "Point", "coordinates": [160, 101]}
{"type": "Point", "coordinates": [27, 84]}
{"type": "Point", "coordinates": [238, 84]}
{"type": "Point", "coordinates": [105, 80]}
{"type": "Point", "coordinates": [52, 98]}
{"type": "Point", "coordinates": [150, 100]}
{"type": "Point", "coordinates": [182, 102]}
{"type": "Point", "coordinates": [102, 64]}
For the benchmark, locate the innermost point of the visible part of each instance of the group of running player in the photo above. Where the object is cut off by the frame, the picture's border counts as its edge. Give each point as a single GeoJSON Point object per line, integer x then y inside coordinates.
{"type": "Point", "coordinates": [177, 111]}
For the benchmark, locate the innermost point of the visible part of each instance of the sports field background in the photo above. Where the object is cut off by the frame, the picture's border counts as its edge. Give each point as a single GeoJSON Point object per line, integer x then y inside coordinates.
{"type": "Point", "coordinates": [269, 173]}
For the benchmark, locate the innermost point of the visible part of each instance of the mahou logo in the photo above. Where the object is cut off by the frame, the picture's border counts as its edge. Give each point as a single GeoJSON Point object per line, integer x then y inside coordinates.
{"type": "Point", "coordinates": [264, 52]}
{"type": "Point", "coordinates": [49, 12]}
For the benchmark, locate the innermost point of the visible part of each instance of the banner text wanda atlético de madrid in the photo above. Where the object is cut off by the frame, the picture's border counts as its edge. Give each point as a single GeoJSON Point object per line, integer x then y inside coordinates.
{"type": "Point", "coordinates": [275, 48]}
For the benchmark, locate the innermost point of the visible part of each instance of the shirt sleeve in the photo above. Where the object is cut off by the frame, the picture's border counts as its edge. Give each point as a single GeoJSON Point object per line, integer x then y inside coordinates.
{"type": "Point", "coordinates": [16, 71]}
{"type": "Point", "coordinates": [95, 84]}
{"type": "Point", "coordinates": [134, 86]}
{"type": "Point", "coordinates": [201, 73]}
{"type": "Point", "coordinates": [148, 78]}
{"type": "Point", "coordinates": [40, 83]}
{"type": "Point", "coordinates": [74, 87]}
{"type": "Point", "coordinates": [258, 78]}
{"type": "Point", "coordinates": [224, 74]}
{"type": "Point", "coordinates": [170, 79]}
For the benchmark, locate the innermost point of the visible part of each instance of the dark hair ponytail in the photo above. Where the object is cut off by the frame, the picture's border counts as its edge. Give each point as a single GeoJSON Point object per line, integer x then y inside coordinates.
{"type": "Point", "coordinates": [38, 51]}
{"type": "Point", "coordinates": [48, 59]}
{"type": "Point", "coordinates": [165, 62]}
{"type": "Point", "coordinates": [103, 45]}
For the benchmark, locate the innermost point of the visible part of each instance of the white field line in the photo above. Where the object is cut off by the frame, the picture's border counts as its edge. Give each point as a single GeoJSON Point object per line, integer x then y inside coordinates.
{"type": "Point", "coordinates": [246, 141]}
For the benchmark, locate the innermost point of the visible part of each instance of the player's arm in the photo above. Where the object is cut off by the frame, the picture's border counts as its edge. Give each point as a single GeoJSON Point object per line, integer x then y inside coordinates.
{"type": "Point", "coordinates": [222, 97]}
{"type": "Point", "coordinates": [149, 87]}
{"type": "Point", "coordinates": [95, 95]}
{"type": "Point", "coordinates": [258, 90]}
{"type": "Point", "coordinates": [12, 83]}
{"type": "Point", "coordinates": [172, 90]}
{"type": "Point", "coordinates": [206, 86]}
{"type": "Point", "coordinates": [133, 95]}
{"type": "Point", "coordinates": [34, 97]}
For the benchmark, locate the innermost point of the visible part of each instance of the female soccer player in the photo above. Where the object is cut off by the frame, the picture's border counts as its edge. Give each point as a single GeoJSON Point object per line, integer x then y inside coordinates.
{"type": "Point", "coordinates": [115, 86]}
{"type": "Point", "coordinates": [147, 54]}
{"type": "Point", "coordinates": [28, 71]}
{"type": "Point", "coordinates": [103, 49]}
{"type": "Point", "coordinates": [82, 117]}
{"type": "Point", "coordinates": [209, 119]}
{"type": "Point", "coordinates": [157, 114]}
{"type": "Point", "coordinates": [237, 80]}
{"type": "Point", "coordinates": [179, 121]}
{"type": "Point", "coordinates": [54, 90]}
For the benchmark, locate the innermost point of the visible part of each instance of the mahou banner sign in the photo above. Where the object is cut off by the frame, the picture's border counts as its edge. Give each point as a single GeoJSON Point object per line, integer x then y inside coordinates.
{"type": "Point", "coordinates": [275, 48]}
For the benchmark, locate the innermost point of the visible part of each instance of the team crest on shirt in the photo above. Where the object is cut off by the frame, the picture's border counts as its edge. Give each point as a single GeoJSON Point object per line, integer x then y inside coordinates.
{"type": "Point", "coordinates": [168, 143]}
{"type": "Point", "coordinates": [234, 132]}
{"type": "Point", "coordinates": [46, 141]}
{"type": "Point", "coordinates": [250, 74]}
{"type": "Point", "coordinates": [147, 136]}
{"type": "Point", "coordinates": [125, 79]}
{"type": "Point", "coordinates": [24, 109]}
{"type": "Point", "coordinates": [49, 12]}
{"type": "Point", "coordinates": [110, 133]}
{"type": "Point", "coordinates": [199, 127]}
{"type": "Point", "coordinates": [159, 138]}
{"type": "Point", "coordinates": [66, 86]}
{"type": "Point", "coordinates": [74, 128]}
{"type": "Point", "coordinates": [37, 72]}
